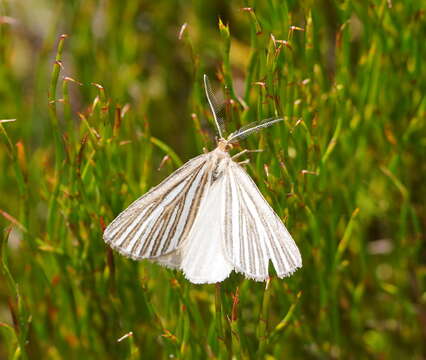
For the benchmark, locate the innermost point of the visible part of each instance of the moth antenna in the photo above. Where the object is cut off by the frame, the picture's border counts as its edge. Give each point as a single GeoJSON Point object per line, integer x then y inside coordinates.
{"type": "Point", "coordinates": [215, 106]}
{"type": "Point", "coordinates": [252, 128]}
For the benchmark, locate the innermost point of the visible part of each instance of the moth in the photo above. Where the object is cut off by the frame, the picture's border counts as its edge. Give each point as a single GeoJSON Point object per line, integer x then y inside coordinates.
{"type": "Point", "coordinates": [208, 218]}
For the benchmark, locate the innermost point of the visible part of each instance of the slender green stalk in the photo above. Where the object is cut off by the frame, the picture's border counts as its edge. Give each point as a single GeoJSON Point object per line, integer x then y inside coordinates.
{"type": "Point", "coordinates": [262, 329]}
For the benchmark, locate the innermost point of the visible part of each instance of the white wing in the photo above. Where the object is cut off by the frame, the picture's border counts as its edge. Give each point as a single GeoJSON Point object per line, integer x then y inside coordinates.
{"type": "Point", "coordinates": [201, 257]}
{"type": "Point", "coordinates": [254, 234]}
{"type": "Point", "coordinates": [159, 221]}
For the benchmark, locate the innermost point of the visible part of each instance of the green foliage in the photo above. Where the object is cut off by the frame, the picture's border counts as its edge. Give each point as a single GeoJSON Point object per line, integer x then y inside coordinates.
{"type": "Point", "coordinates": [98, 111]}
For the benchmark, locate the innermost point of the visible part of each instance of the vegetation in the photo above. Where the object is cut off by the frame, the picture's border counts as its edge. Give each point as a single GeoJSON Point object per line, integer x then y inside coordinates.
{"type": "Point", "coordinates": [122, 106]}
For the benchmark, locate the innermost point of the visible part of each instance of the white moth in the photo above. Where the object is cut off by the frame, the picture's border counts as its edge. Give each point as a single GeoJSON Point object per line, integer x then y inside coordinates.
{"type": "Point", "coordinates": [208, 218]}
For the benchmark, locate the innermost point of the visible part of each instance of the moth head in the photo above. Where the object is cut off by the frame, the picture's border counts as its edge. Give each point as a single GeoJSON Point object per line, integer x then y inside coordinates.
{"type": "Point", "coordinates": [224, 145]}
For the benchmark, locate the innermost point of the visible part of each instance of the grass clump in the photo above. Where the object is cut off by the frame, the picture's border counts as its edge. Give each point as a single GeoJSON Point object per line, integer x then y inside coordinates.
{"type": "Point", "coordinates": [108, 111]}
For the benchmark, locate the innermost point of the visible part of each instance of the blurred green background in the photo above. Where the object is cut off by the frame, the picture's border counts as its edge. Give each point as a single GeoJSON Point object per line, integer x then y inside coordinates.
{"type": "Point", "coordinates": [107, 112]}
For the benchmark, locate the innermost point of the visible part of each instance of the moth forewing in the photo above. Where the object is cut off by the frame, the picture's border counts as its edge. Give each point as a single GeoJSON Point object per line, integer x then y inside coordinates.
{"type": "Point", "coordinates": [157, 223]}
{"type": "Point", "coordinates": [254, 234]}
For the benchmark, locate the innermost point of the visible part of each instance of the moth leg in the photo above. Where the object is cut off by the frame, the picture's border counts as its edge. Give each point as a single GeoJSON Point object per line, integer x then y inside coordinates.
{"type": "Point", "coordinates": [245, 151]}
{"type": "Point", "coordinates": [239, 154]}
{"type": "Point", "coordinates": [244, 162]}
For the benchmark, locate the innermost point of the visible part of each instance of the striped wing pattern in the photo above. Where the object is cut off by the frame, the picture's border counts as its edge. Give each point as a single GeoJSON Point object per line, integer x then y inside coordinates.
{"type": "Point", "coordinates": [158, 222]}
{"type": "Point", "coordinates": [201, 256]}
{"type": "Point", "coordinates": [253, 232]}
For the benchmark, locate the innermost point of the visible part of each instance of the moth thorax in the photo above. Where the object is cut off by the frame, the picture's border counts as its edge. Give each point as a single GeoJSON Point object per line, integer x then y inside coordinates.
{"type": "Point", "coordinates": [219, 168]}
